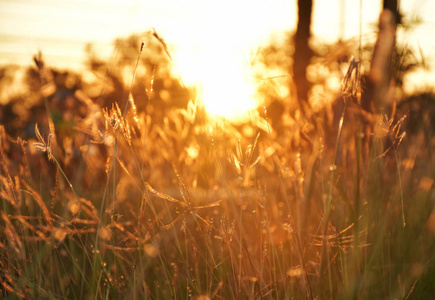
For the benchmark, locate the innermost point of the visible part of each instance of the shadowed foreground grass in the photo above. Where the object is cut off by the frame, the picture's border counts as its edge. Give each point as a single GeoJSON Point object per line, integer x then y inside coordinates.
{"type": "Point", "coordinates": [134, 205]}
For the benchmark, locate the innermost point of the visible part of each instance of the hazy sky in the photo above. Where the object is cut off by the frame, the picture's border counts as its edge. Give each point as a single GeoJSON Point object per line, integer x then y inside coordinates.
{"type": "Point", "coordinates": [61, 28]}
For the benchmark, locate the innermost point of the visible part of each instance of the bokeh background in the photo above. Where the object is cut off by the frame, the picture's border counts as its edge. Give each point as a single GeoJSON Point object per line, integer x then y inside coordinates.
{"type": "Point", "coordinates": [197, 31]}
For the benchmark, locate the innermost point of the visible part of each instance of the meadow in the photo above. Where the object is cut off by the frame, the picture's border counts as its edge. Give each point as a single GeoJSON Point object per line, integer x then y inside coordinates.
{"type": "Point", "coordinates": [141, 198]}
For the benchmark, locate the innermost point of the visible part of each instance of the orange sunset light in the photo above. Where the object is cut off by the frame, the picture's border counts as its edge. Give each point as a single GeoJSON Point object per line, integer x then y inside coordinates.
{"type": "Point", "coordinates": [222, 80]}
{"type": "Point", "coordinates": [226, 149]}
{"type": "Point", "coordinates": [211, 42]}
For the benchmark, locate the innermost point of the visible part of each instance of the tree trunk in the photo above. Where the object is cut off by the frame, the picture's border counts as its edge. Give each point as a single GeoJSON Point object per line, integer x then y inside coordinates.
{"type": "Point", "coordinates": [302, 53]}
{"type": "Point", "coordinates": [380, 70]}
{"type": "Point", "coordinates": [392, 5]}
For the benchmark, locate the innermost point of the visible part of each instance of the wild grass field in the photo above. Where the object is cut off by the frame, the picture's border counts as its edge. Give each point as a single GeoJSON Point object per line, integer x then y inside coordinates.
{"type": "Point", "coordinates": [135, 199]}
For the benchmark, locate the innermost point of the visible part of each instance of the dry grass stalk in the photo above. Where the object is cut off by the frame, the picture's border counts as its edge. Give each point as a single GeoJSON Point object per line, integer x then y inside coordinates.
{"type": "Point", "coordinates": [41, 204]}
{"type": "Point", "coordinates": [13, 236]}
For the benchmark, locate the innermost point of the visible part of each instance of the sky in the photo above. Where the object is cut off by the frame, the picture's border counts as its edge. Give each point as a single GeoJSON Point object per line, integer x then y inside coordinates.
{"type": "Point", "coordinates": [198, 31]}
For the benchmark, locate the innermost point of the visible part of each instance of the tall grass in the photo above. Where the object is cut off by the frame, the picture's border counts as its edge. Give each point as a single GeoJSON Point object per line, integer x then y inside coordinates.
{"type": "Point", "coordinates": [138, 206]}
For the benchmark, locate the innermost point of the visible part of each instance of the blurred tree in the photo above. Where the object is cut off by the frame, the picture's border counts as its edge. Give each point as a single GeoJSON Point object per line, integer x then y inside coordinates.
{"type": "Point", "coordinates": [155, 85]}
{"type": "Point", "coordinates": [381, 71]}
{"type": "Point", "coordinates": [25, 107]}
{"type": "Point", "coordinates": [393, 6]}
{"type": "Point", "coordinates": [302, 53]}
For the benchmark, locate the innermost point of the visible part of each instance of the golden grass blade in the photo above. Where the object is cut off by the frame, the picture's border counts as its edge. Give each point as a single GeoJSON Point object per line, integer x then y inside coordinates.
{"type": "Point", "coordinates": [182, 186]}
{"type": "Point", "coordinates": [162, 41]}
{"type": "Point", "coordinates": [121, 163]}
{"type": "Point", "coordinates": [84, 221]}
{"type": "Point", "coordinates": [117, 248]}
{"type": "Point", "coordinates": [40, 203]}
{"type": "Point", "coordinates": [7, 193]}
{"type": "Point", "coordinates": [164, 196]}
{"type": "Point", "coordinates": [134, 109]}
{"type": "Point", "coordinates": [202, 219]}
{"type": "Point", "coordinates": [9, 289]}
{"type": "Point", "coordinates": [17, 189]}
{"type": "Point", "coordinates": [3, 139]}
{"type": "Point", "coordinates": [13, 236]}
{"type": "Point", "coordinates": [142, 208]}
{"type": "Point", "coordinates": [169, 226]}
{"type": "Point", "coordinates": [89, 208]}
{"type": "Point", "coordinates": [31, 227]}
{"type": "Point", "coordinates": [347, 228]}
{"type": "Point", "coordinates": [38, 135]}
{"type": "Point", "coordinates": [214, 204]}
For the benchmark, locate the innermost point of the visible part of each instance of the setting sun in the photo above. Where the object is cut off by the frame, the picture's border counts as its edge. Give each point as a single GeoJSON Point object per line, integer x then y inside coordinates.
{"type": "Point", "coordinates": [219, 64]}
{"type": "Point", "coordinates": [228, 94]}
{"type": "Point", "coordinates": [222, 80]}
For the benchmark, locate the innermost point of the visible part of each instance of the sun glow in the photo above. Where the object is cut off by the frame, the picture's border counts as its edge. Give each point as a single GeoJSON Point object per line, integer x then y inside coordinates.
{"type": "Point", "coordinates": [219, 66]}
{"type": "Point", "coordinates": [221, 76]}
{"type": "Point", "coordinates": [225, 88]}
